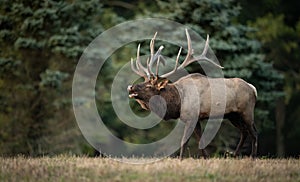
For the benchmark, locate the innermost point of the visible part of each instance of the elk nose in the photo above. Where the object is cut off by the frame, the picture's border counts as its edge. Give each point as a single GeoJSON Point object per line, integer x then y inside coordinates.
{"type": "Point", "coordinates": [129, 88]}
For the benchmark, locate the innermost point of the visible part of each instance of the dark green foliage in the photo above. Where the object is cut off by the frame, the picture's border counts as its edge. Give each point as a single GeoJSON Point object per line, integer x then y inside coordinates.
{"type": "Point", "coordinates": [40, 44]}
{"type": "Point", "coordinates": [281, 44]}
{"type": "Point", "coordinates": [52, 79]}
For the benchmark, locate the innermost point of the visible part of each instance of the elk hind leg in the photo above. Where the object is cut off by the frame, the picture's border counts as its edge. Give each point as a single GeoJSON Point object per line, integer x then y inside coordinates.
{"type": "Point", "coordinates": [237, 120]}
{"type": "Point", "coordinates": [244, 135]}
{"type": "Point", "coordinates": [254, 136]}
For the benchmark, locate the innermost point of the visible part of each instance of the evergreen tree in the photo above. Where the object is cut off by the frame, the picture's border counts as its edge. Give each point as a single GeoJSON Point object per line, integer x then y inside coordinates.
{"type": "Point", "coordinates": [280, 42]}
{"type": "Point", "coordinates": [41, 42]}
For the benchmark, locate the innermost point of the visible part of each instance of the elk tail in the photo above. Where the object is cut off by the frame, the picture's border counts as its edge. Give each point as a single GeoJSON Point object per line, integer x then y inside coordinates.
{"type": "Point", "coordinates": [254, 89]}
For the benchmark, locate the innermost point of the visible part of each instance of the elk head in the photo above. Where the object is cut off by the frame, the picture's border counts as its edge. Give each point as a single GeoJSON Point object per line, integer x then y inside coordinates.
{"type": "Point", "coordinates": [153, 83]}
{"type": "Point", "coordinates": [144, 91]}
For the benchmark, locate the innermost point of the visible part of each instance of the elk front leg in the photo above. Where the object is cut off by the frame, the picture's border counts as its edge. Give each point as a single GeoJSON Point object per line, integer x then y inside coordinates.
{"type": "Point", "coordinates": [188, 130]}
{"type": "Point", "coordinates": [198, 133]}
{"type": "Point", "coordinates": [183, 146]}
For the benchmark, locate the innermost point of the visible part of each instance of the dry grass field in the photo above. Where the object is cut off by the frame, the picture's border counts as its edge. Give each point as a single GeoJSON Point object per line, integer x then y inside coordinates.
{"type": "Point", "coordinates": [66, 168]}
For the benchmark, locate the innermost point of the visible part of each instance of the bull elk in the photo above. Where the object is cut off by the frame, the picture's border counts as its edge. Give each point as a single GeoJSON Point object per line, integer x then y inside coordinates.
{"type": "Point", "coordinates": [240, 95]}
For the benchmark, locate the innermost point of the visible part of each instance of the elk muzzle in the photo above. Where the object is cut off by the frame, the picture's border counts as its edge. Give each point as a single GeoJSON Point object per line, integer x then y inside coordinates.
{"type": "Point", "coordinates": [131, 91]}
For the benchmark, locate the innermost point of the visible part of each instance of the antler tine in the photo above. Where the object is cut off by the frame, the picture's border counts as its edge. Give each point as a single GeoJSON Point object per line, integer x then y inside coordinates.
{"type": "Point", "coordinates": [148, 68]}
{"type": "Point", "coordinates": [137, 71]}
{"type": "Point", "coordinates": [157, 66]}
{"type": "Point", "coordinates": [137, 56]}
{"type": "Point", "coordinates": [152, 60]}
{"type": "Point", "coordinates": [190, 52]}
{"type": "Point", "coordinates": [189, 59]}
{"type": "Point", "coordinates": [203, 55]}
{"type": "Point", "coordinates": [206, 46]}
{"type": "Point", "coordinates": [176, 65]}
{"type": "Point", "coordinates": [138, 62]}
{"type": "Point", "coordinates": [152, 45]}
{"type": "Point", "coordinates": [156, 55]}
{"type": "Point", "coordinates": [133, 68]}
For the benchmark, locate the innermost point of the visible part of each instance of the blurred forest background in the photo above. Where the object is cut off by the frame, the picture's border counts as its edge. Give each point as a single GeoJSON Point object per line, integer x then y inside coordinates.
{"type": "Point", "coordinates": [41, 42]}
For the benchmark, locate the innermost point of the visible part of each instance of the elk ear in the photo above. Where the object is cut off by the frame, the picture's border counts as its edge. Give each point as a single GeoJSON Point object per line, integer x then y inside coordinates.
{"type": "Point", "coordinates": [162, 84]}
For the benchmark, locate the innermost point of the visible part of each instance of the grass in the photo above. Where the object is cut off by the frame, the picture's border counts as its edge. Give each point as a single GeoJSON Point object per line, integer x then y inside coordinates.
{"type": "Point", "coordinates": [66, 168]}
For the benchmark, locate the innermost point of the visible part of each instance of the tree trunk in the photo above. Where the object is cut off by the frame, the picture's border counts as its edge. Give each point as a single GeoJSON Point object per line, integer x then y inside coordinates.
{"type": "Point", "coordinates": [280, 116]}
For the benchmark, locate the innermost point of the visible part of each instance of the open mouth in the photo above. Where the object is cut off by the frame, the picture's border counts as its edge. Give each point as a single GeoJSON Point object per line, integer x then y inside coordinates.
{"type": "Point", "coordinates": [132, 95]}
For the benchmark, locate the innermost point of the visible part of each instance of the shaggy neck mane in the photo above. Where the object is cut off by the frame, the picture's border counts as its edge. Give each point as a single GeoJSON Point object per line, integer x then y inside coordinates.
{"type": "Point", "coordinates": [172, 98]}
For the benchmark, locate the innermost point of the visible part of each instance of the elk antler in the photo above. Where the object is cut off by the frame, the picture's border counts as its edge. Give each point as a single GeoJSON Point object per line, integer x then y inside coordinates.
{"type": "Point", "coordinates": [147, 72]}
{"type": "Point", "coordinates": [140, 69]}
{"type": "Point", "coordinates": [144, 72]}
{"type": "Point", "coordinates": [189, 57]}
{"type": "Point", "coordinates": [176, 65]}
